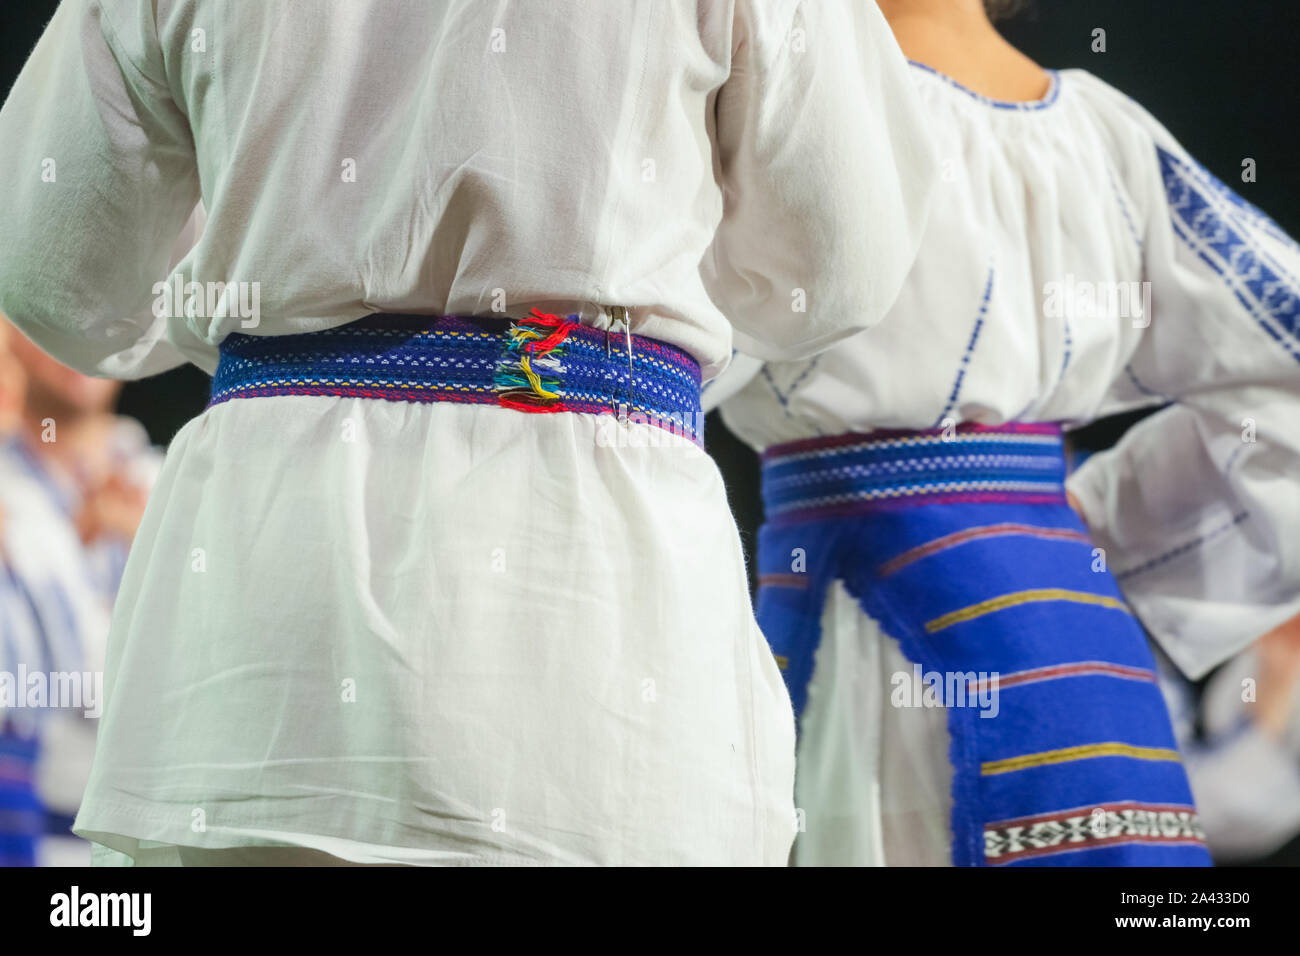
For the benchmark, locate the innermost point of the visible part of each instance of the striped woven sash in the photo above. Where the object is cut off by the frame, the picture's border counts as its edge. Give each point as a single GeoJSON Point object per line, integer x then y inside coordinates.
{"type": "Point", "coordinates": [540, 363]}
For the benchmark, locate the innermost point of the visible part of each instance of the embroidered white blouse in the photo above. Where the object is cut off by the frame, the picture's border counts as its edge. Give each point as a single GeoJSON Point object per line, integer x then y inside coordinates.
{"type": "Point", "coordinates": [1078, 263]}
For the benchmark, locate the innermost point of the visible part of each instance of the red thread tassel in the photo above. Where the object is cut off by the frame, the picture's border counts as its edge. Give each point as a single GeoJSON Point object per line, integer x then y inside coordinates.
{"type": "Point", "coordinates": [560, 331]}
{"type": "Point", "coordinates": [533, 404]}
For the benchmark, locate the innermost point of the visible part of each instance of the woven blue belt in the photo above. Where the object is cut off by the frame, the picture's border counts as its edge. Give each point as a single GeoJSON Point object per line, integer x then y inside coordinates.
{"type": "Point", "coordinates": [1017, 463]}
{"type": "Point", "coordinates": [541, 363]}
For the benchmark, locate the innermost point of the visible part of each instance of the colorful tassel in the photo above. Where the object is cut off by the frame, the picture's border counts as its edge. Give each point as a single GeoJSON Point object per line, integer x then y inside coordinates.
{"type": "Point", "coordinates": [527, 378]}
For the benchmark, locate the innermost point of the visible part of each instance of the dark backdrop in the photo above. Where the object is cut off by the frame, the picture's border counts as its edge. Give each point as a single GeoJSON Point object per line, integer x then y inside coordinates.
{"type": "Point", "coordinates": [1221, 76]}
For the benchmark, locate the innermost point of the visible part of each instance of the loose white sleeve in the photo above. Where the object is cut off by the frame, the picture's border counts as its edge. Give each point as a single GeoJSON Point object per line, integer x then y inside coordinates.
{"type": "Point", "coordinates": [100, 181]}
{"type": "Point", "coordinates": [1198, 507]}
{"type": "Point", "coordinates": [826, 171]}
{"type": "Point", "coordinates": [739, 372]}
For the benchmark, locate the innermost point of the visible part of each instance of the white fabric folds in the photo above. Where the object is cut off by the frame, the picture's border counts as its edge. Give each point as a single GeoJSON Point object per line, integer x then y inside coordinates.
{"type": "Point", "coordinates": [436, 633]}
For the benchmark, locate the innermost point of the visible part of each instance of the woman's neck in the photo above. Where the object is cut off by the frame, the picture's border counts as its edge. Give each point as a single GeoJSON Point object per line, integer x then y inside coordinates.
{"type": "Point", "coordinates": [957, 38]}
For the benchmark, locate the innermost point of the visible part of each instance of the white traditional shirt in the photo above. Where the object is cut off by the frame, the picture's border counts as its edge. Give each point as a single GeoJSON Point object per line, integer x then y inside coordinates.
{"type": "Point", "coordinates": [361, 156]}
{"type": "Point", "coordinates": [1080, 263]}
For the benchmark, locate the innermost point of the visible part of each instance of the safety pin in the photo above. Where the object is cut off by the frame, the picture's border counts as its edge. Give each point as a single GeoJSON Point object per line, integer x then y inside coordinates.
{"type": "Point", "coordinates": [618, 315]}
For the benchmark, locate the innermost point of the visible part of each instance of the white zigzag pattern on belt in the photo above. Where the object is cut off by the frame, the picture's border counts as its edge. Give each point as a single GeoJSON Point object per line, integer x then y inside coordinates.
{"type": "Point", "coordinates": [914, 441]}
{"type": "Point", "coordinates": [902, 491]}
{"type": "Point", "coordinates": [643, 387]}
{"type": "Point", "coordinates": [912, 464]}
{"type": "Point", "coordinates": [616, 354]}
{"type": "Point", "coordinates": [596, 398]}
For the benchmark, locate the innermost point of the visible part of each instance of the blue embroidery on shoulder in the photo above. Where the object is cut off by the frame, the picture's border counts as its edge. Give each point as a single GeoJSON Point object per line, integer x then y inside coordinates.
{"type": "Point", "coordinates": [1217, 225]}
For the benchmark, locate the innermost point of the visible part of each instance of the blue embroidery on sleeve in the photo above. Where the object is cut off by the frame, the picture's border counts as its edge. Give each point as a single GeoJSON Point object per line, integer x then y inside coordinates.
{"type": "Point", "coordinates": [1184, 548]}
{"type": "Point", "coordinates": [1217, 224]}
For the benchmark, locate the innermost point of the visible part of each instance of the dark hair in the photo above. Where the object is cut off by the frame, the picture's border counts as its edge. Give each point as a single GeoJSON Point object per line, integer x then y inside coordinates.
{"type": "Point", "coordinates": [1001, 9]}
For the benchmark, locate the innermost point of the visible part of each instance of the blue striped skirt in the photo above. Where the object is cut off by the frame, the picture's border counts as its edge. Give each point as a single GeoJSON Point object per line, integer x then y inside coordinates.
{"type": "Point", "coordinates": [961, 544]}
